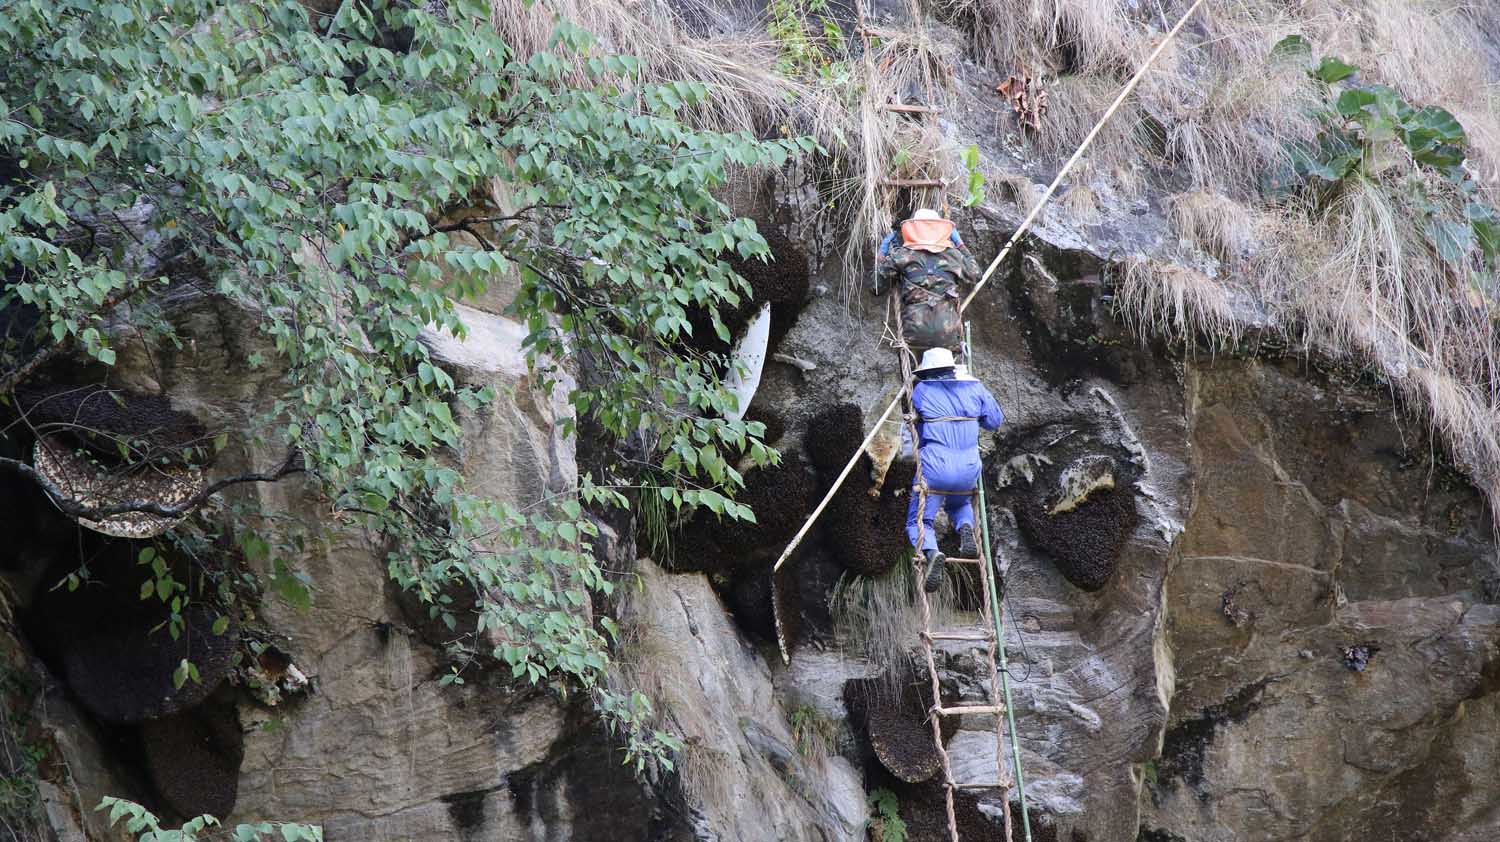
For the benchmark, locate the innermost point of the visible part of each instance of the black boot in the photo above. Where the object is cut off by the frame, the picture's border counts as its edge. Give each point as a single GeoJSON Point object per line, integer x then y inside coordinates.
{"type": "Point", "coordinates": [935, 562]}
{"type": "Point", "coordinates": [966, 544]}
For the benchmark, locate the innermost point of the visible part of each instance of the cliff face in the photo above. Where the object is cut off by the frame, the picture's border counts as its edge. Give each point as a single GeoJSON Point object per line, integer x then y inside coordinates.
{"type": "Point", "coordinates": [1276, 620]}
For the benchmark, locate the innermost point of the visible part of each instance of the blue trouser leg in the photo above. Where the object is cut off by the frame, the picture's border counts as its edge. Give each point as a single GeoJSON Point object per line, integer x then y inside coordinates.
{"type": "Point", "coordinates": [929, 539]}
{"type": "Point", "coordinates": [960, 510]}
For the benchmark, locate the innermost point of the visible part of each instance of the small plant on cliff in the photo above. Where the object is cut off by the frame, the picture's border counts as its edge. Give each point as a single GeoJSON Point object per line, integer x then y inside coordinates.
{"type": "Point", "coordinates": [813, 733]}
{"type": "Point", "coordinates": [808, 37]}
{"type": "Point", "coordinates": [886, 825]}
{"type": "Point", "coordinates": [146, 827]}
{"type": "Point", "coordinates": [1371, 133]}
{"type": "Point", "coordinates": [297, 164]}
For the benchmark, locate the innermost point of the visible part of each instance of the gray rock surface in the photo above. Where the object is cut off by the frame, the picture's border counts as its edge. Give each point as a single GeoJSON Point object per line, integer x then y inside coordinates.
{"type": "Point", "coordinates": [745, 775]}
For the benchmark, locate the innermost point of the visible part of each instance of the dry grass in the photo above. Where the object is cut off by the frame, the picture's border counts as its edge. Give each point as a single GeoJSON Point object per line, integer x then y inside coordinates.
{"type": "Point", "coordinates": [880, 617]}
{"type": "Point", "coordinates": [1082, 203]}
{"type": "Point", "coordinates": [1017, 189]}
{"type": "Point", "coordinates": [707, 773]}
{"type": "Point", "coordinates": [1214, 223]}
{"type": "Point", "coordinates": [1075, 104]}
{"type": "Point", "coordinates": [1176, 302]}
{"type": "Point", "coordinates": [1075, 36]}
{"type": "Point", "coordinates": [742, 95]}
{"type": "Point", "coordinates": [906, 67]}
{"type": "Point", "coordinates": [1360, 278]}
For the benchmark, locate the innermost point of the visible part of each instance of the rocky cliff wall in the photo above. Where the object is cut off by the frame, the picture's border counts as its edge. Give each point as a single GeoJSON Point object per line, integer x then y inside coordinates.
{"type": "Point", "coordinates": [1276, 621]}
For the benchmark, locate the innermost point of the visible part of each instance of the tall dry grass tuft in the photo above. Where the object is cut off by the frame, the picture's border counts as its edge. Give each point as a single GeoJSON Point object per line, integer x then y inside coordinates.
{"type": "Point", "coordinates": [1176, 302]}
{"type": "Point", "coordinates": [733, 63]}
{"type": "Point", "coordinates": [905, 66]}
{"type": "Point", "coordinates": [1075, 104]}
{"type": "Point", "coordinates": [880, 618]}
{"type": "Point", "coordinates": [1091, 37]}
{"type": "Point", "coordinates": [1361, 278]}
{"type": "Point", "coordinates": [1214, 223]}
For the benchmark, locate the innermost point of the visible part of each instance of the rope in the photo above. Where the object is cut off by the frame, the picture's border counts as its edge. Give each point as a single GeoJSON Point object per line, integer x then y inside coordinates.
{"type": "Point", "coordinates": [1025, 225]}
{"type": "Point", "coordinates": [1083, 147]}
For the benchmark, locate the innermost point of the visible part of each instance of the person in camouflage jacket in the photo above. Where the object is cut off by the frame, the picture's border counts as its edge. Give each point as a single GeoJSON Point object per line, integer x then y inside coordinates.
{"type": "Point", "coordinates": [927, 265]}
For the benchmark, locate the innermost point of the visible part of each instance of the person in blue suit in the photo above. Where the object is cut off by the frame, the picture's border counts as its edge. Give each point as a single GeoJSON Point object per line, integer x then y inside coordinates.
{"type": "Point", "coordinates": [950, 411]}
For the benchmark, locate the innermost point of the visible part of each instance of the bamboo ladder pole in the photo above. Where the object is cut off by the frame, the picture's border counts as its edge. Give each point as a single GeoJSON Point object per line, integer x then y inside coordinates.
{"type": "Point", "coordinates": [1000, 671]}
{"type": "Point", "coordinates": [1036, 210]}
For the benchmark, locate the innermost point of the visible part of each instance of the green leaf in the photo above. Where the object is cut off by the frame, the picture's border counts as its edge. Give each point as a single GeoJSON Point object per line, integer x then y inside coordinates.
{"type": "Point", "coordinates": [1333, 69]}
{"type": "Point", "coordinates": [1354, 100]}
{"type": "Point", "coordinates": [1439, 123]}
{"type": "Point", "coordinates": [1451, 239]}
{"type": "Point", "coordinates": [1487, 234]}
{"type": "Point", "coordinates": [289, 588]}
{"type": "Point", "coordinates": [1292, 46]}
{"type": "Point", "coordinates": [180, 675]}
{"type": "Point", "coordinates": [221, 625]}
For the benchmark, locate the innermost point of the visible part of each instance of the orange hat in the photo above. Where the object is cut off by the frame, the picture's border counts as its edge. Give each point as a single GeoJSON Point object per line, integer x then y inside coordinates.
{"type": "Point", "coordinates": [927, 230]}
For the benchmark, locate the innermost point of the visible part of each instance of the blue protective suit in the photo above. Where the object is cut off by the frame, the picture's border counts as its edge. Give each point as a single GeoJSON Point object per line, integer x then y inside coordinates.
{"type": "Point", "coordinates": [950, 449]}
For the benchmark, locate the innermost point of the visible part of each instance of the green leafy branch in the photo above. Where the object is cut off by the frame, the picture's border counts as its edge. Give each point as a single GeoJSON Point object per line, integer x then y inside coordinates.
{"type": "Point", "coordinates": [146, 827]}
{"type": "Point", "coordinates": [297, 170]}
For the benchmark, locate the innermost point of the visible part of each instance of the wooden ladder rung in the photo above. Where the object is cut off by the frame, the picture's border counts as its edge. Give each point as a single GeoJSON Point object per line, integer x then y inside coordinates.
{"type": "Point", "coordinates": [969, 710]}
{"type": "Point", "coordinates": [984, 785]}
{"type": "Point", "coordinates": [957, 560]}
{"type": "Point", "coordinates": [912, 182]}
{"type": "Point", "coordinates": [904, 108]}
{"type": "Point", "coordinates": [984, 636]}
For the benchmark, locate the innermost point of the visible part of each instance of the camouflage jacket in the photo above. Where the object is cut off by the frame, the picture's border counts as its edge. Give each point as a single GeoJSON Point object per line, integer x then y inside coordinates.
{"type": "Point", "coordinates": [930, 298]}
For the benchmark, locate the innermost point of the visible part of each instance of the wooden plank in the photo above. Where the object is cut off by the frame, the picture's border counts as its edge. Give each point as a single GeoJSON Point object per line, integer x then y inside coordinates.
{"type": "Point", "coordinates": [967, 710]}
{"type": "Point", "coordinates": [911, 109]}
{"type": "Point", "coordinates": [976, 636]}
{"type": "Point", "coordinates": [912, 182]}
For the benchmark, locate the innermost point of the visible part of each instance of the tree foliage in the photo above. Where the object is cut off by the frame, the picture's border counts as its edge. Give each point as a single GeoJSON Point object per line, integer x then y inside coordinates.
{"type": "Point", "coordinates": [296, 164]}
{"type": "Point", "coordinates": [146, 827]}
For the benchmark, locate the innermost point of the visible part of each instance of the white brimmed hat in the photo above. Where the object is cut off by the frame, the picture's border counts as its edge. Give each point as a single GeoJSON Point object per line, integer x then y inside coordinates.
{"type": "Point", "coordinates": [936, 358]}
{"type": "Point", "coordinates": [926, 213]}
